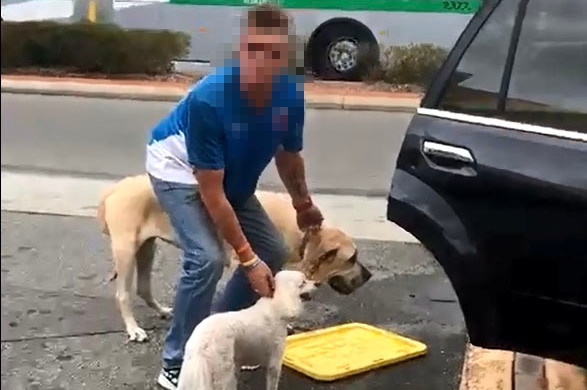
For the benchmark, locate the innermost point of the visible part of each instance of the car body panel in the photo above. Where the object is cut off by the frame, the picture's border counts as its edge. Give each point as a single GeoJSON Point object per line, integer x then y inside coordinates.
{"type": "Point", "coordinates": [511, 217]}
{"type": "Point", "coordinates": [502, 205]}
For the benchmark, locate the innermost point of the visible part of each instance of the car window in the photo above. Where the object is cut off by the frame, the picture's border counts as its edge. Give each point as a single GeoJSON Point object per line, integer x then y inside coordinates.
{"type": "Point", "coordinates": [548, 81]}
{"type": "Point", "coordinates": [475, 84]}
{"type": "Point", "coordinates": [548, 84]}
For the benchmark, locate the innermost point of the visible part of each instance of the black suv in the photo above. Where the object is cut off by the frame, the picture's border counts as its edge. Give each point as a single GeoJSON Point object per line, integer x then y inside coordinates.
{"type": "Point", "coordinates": [492, 176]}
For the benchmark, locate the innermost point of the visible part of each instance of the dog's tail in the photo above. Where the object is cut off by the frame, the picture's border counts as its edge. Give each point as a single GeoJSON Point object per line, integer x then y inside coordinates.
{"type": "Point", "coordinates": [101, 213]}
{"type": "Point", "coordinates": [196, 375]}
{"type": "Point", "coordinates": [101, 217]}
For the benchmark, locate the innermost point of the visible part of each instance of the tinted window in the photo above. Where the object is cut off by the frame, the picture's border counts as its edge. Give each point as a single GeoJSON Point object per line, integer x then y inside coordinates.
{"type": "Point", "coordinates": [474, 87]}
{"type": "Point", "coordinates": [548, 84]}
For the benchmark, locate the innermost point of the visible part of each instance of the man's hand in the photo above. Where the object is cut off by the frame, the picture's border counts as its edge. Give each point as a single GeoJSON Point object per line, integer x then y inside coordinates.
{"type": "Point", "coordinates": [260, 277]}
{"type": "Point", "coordinates": [308, 216]}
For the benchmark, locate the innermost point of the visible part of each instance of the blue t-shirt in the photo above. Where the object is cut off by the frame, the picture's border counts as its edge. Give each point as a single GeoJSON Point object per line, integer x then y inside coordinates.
{"type": "Point", "coordinates": [214, 127]}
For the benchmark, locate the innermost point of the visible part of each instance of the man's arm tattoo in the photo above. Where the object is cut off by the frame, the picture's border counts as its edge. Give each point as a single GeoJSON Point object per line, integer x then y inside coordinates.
{"type": "Point", "coordinates": [295, 182]}
{"type": "Point", "coordinates": [293, 175]}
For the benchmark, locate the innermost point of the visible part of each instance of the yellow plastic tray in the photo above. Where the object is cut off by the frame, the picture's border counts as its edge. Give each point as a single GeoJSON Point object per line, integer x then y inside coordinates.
{"type": "Point", "coordinates": [341, 351]}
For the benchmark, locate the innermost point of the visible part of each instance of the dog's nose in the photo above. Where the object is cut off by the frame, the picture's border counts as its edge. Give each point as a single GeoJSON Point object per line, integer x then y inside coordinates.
{"type": "Point", "coordinates": [361, 279]}
{"type": "Point", "coordinates": [305, 296]}
{"type": "Point", "coordinates": [365, 274]}
{"type": "Point", "coordinates": [339, 284]}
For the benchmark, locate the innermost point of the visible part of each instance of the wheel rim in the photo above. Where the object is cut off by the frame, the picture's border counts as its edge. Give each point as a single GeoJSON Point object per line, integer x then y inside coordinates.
{"type": "Point", "coordinates": [342, 54]}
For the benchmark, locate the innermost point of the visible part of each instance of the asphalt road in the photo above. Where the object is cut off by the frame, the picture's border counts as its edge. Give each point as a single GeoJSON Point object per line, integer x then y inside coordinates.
{"type": "Point", "coordinates": [60, 328]}
{"type": "Point", "coordinates": [347, 152]}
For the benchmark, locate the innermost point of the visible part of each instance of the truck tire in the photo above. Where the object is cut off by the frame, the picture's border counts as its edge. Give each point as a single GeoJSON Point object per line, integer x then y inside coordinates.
{"type": "Point", "coordinates": [343, 51]}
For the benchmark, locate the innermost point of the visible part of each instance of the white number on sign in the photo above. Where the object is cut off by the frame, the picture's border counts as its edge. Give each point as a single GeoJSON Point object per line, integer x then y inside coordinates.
{"type": "Point", "coordinates": [256, 2]}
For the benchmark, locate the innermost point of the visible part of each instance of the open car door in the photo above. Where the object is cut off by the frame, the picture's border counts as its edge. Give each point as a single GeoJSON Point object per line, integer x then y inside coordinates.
{"type": "Point", "coordinates": [492, 176]}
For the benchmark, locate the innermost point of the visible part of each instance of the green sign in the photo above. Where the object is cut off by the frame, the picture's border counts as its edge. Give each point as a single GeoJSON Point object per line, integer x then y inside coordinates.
{"type": "Point", "coordinates": [438, 6]}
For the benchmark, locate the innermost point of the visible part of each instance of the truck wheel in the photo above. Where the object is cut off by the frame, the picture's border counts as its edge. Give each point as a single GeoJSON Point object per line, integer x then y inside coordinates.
{"type": "Point", "coordinates": [343, 51]}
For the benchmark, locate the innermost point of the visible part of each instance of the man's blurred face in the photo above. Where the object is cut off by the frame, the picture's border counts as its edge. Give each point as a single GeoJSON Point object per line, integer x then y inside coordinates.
{"type": "Point", "coordinates": [263, 54]}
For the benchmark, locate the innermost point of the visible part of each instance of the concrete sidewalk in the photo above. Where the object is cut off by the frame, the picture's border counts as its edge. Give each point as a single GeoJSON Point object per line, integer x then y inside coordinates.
{"type": "Point", "coordinates": [486, 369]}
{"type": "Point", "coordinates": [318, 96]}
{"type": "Point", "coordinates": [360, 217]}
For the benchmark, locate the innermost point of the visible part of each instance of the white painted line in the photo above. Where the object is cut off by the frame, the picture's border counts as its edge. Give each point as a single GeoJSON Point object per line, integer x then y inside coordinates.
{"type": "Point", "coordinates": [360, 217]}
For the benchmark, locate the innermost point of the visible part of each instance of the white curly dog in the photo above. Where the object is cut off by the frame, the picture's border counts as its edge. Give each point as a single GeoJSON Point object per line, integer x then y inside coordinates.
{"type": "Point", "coordinates": [224, 342]}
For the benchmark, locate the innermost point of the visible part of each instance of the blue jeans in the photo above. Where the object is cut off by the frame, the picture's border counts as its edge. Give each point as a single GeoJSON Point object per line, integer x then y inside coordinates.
{"type": "Point", "coordinates": [202, 260]}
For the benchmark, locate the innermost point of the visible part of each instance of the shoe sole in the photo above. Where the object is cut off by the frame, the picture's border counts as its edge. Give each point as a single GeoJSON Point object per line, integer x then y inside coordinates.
{"type": "Point", "coordinates": [250, 368]}
{"type": "Point", "coordinates": [163, 382]}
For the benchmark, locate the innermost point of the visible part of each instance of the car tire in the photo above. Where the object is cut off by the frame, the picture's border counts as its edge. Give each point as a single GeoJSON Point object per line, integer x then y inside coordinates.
{"type": "Point", "coordinates": [343, 51]}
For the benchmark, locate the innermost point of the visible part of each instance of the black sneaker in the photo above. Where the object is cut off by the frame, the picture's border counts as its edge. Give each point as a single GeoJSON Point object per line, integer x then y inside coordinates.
{"type": "Point", "coordinates": [168, 378]}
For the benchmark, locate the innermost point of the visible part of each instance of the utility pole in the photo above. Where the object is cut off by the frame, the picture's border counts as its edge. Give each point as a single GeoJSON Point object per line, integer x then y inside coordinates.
{"type": "Point", "coordinates": [95, 11]}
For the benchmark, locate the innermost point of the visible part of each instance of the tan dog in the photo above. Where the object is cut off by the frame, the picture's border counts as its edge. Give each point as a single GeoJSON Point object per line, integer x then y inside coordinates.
{"type": "Point", "coordinates": [129, 213]}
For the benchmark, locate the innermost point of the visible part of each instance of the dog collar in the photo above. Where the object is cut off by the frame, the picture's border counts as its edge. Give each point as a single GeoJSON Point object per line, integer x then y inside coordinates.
{"type": "Point", "coordinates": [303, 245]}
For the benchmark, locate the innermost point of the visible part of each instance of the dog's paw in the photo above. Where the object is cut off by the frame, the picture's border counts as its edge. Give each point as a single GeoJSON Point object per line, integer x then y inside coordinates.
{"type": "Point", "coordinates": [137, 335]}
{"type": "Point", "coordinates": [165, 313]}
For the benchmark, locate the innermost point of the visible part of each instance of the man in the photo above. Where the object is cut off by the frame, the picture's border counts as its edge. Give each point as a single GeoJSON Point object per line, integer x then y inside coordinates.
{"type": "Point", "coordinates": [205, 159]}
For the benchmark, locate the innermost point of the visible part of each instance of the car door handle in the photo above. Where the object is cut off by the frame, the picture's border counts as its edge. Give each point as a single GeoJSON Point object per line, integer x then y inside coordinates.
{"type": "Point", "coordinates": [455, 154]}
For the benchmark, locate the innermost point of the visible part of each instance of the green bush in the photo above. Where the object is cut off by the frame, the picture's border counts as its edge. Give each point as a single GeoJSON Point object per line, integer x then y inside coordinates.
{"type": "Point", "coordinates": [89, 48]}
{"type": "Point", "coordinates": [412, 64]}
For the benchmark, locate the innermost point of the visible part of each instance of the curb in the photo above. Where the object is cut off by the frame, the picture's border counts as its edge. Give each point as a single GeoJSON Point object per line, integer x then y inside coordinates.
{"type": "Point", "coordinates": [489, 369]}
{"type": "Point", "coordinates": [173, 94]}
